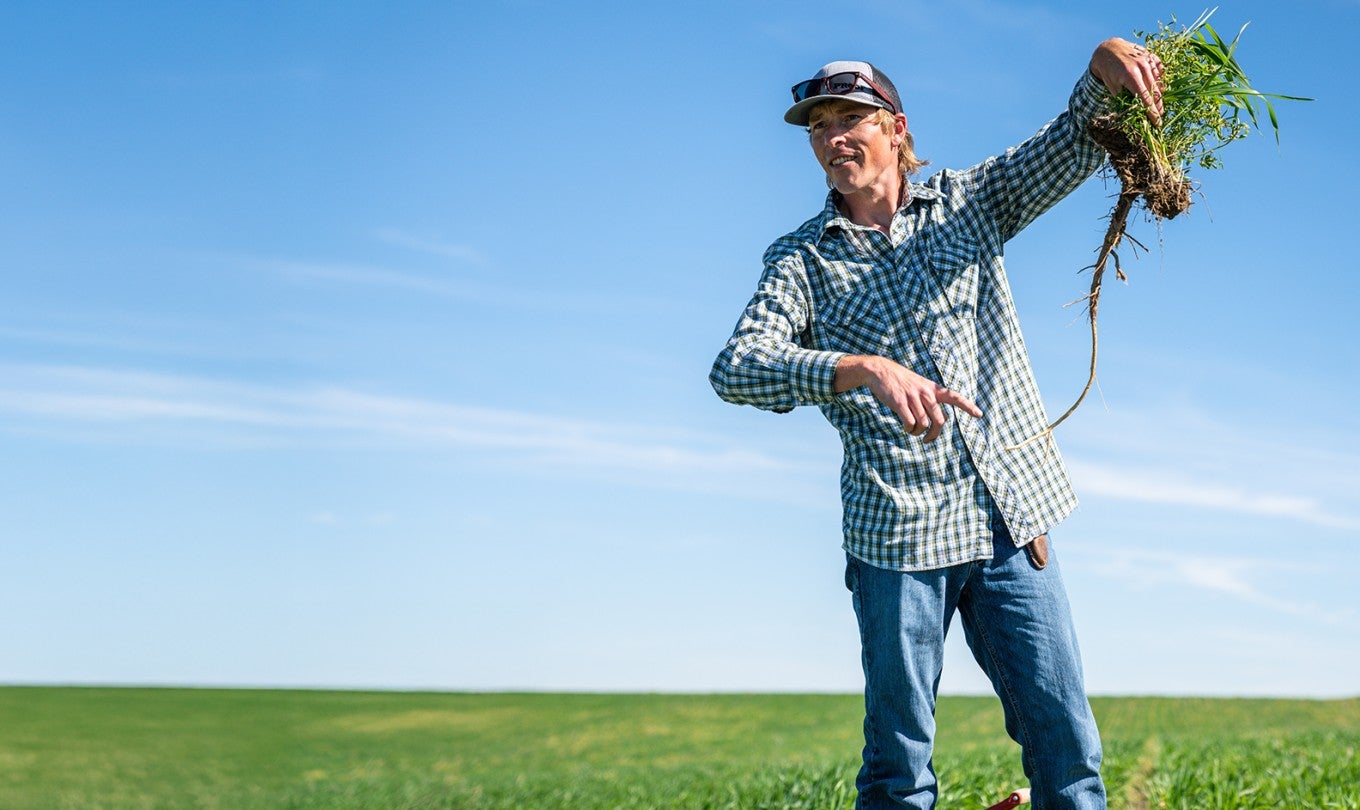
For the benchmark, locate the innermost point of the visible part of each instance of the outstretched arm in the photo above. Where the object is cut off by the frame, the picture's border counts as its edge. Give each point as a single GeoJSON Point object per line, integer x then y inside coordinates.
{"type": "Point", "coordinates": [1028, 179]}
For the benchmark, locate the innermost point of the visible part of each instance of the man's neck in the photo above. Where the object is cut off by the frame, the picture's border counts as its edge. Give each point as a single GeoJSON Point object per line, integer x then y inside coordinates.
{"type": "Point", "coordinates": [874, 207]}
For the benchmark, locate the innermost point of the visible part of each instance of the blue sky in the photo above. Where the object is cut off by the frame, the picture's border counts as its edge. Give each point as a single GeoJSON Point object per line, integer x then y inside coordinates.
{"type": "Point", "coordinates": [366, 345]}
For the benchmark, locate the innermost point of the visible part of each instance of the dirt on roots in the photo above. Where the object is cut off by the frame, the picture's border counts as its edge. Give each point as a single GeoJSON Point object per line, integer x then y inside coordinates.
{"type": "Point", "coordinates": [1165, 192]}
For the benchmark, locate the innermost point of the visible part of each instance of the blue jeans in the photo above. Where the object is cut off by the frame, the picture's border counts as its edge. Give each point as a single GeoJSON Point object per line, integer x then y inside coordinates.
{"type": "Point", "coordinates": [1018, 624]}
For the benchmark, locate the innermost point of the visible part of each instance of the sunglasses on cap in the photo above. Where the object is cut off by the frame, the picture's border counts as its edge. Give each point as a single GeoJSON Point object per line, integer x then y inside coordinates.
{"type": "Point", "coordinates": [840, 84]}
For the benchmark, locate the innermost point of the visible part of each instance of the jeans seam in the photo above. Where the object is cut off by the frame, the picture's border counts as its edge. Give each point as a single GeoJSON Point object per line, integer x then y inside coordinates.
{"type": "Point", "coordinates": [1005, 692]}
{"type": "Point", "coordinates": [857, 593]}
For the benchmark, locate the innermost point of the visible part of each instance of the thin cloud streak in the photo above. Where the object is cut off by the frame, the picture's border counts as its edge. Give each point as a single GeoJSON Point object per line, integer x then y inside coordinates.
{"type": "Point", "coordinates": [165, 406]}
{"type": "Point", "coordinates": [92, 340]}
{"type": "Point", "coordinates": [392, 236]}
{"type": "Point", "coordinates": [1223, 576]}
{"type": "Point", "coordinates": [44, 395]}
{"type": "Point", "coordinates": [353, 274]}
{"type": "Point", "coordinates": [1172, 488]}
{"type": "Point", "coordinates": [507, 295]}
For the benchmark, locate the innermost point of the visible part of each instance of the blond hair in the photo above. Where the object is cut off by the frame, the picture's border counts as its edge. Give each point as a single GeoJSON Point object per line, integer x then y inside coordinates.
{"type": "Point", "coordinates": [907, 161]}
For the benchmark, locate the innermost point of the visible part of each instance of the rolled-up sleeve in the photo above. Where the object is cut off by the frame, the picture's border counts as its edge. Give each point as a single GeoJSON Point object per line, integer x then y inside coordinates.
{"type": "Point", "coordinates": [767, 362]}
{"type": "Point", "coordinates": [1031, 178]}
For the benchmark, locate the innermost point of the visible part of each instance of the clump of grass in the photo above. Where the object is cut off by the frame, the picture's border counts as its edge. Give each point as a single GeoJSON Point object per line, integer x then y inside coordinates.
{"type": "Point", "coordinates": [1206, 94]}
{"type": "Point", "coordinates": [1207, 103]}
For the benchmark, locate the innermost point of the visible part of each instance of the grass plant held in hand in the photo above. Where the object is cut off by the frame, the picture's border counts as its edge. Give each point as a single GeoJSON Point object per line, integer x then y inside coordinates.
{"type": "Point", "coordinates": [1207, 103]}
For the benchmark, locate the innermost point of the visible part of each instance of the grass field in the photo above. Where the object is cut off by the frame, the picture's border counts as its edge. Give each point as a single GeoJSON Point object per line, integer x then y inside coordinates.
{"type": "Point", "coordinates": [165, 748]}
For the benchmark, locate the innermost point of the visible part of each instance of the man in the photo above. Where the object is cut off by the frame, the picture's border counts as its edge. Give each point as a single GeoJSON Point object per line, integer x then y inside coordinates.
{"type": "Point", "coordinates": [889, 310]}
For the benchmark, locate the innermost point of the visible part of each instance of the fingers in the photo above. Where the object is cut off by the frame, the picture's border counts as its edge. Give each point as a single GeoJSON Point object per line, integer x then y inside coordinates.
{"type": "Point", "coordinates": [938, 418]}
{"type": "Point", "coordinates": [920, 420]}
{"type": "Point", "coordinates": [1147, 80]}
{"type": "Point", "coordinates": [928, 417]}
{"type": "Point", "coordinates": [1122, 65]}
{"type": "Point", "coordinates": [918, 402]}
{"type": "Point", "coordinates": [959, 401]}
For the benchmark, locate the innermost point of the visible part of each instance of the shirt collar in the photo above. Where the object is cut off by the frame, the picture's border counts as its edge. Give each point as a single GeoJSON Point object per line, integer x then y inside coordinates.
{"type": "Point", "coordinates": [832, 219]}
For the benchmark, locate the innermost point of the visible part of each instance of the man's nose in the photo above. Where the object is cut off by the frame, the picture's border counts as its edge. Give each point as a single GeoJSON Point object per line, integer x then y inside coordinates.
{"type": "Point", "coordinates": [834, 133]}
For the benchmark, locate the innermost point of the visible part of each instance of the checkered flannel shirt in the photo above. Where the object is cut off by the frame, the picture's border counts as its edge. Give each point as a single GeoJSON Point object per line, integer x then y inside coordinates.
{"type": "Point", "coordinates": [934, 297]}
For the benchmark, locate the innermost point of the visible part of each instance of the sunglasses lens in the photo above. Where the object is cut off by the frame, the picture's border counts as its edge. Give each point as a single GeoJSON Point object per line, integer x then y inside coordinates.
{"type": "Point", "coordinates": [841, 83]}
{"type": "Point", "coordinates": [838, 84]}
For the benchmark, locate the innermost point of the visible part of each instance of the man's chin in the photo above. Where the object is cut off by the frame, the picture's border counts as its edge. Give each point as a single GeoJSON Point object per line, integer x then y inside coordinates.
{"type": "Point", "coordinates": [842, 185]}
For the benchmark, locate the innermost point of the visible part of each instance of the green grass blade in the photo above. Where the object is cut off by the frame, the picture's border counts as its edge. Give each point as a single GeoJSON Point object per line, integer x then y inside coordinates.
{"type": "Point", "coordinates": [1274, 122]}
{"type": "Point", "coordinates": [1218, 41]}
{"type": "Point", "coordinates": [1203, 19]}
{"type": "Point", "coordinates": [1233, 48]}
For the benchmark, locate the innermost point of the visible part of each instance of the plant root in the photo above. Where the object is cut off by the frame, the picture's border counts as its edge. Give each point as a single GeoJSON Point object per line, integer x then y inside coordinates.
{"type": "Point", "coordinates": [1163, 191]}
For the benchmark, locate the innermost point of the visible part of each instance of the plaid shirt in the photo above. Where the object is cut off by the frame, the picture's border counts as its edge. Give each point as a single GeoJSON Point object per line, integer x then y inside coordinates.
{"type": "Point", "coordinates": [934, 297]}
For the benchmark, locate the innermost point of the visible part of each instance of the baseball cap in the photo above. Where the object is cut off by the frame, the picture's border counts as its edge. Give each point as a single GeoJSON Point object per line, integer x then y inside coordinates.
{"type": "Point", "coordinates": [854, 81]}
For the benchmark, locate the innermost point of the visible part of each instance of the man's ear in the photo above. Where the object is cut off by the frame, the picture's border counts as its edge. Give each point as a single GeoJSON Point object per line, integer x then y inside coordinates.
{"type": "Point", "coordinates": [899, 130]}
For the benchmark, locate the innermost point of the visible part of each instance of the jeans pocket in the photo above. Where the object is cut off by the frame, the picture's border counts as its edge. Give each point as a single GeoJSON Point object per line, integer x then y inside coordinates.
{"type": "Point", "coordinates": [1037, 550]}
{"type": "Point", "coordinates": [851, 574]}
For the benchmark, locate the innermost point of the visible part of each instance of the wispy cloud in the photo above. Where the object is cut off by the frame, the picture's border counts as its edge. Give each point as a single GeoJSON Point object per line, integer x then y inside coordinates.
{"type": "Point", "coordinates": [1235, 577]}
{"type": "Point", "coordinates": [517, 293]}
{"type": "Point", "coordinates": [437, 247]}
{"type": "Point", "coordinates": [370, 276]}
{"type": "Point", "coordinates": [142, 406]}
{"type": "Point", "coordinates": [93, 330]}
{"type": "Point", "coordinates": [333, 519]}
{"type": "Point", "coordinates": [1171, 487]}
{"type": "Point", "coordinates": [92, 338]}
{"type": "Point", "coordinates": [1182, 454]}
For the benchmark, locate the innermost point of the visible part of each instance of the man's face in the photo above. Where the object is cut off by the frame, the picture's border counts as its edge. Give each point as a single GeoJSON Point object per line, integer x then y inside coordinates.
{"type": "Point", "coordinates": [852, 147]}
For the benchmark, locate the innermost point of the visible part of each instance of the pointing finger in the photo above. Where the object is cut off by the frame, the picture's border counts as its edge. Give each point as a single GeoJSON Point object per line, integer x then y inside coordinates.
{"type": "Point", "coordinates": [959, 401]}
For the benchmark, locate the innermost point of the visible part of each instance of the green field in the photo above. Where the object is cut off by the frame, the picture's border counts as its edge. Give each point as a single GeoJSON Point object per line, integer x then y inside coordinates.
{"type": "Point", "coordinates": [161, 748]}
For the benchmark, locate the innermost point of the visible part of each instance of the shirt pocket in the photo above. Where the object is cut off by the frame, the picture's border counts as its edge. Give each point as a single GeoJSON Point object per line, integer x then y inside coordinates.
{"type": "Point", "coordinates": [953, 340]}
{"type": "Point", "coordinates": [854, 323]}
{"type": "Point", "coordinates": [954, 262]}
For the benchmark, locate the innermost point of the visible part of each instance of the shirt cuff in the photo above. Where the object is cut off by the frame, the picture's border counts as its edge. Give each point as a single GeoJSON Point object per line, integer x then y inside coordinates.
{"type": "Point", "coordinates": [1090, 97]}
{"type": "Point", "coordinates": [812, 376]}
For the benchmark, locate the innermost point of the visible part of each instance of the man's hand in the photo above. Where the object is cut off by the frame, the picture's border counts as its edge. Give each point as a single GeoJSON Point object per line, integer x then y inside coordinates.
{"type": "Point", "coordinates": [916, 400]}
{"type": "Point", "coordinates": [1122, 65]}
